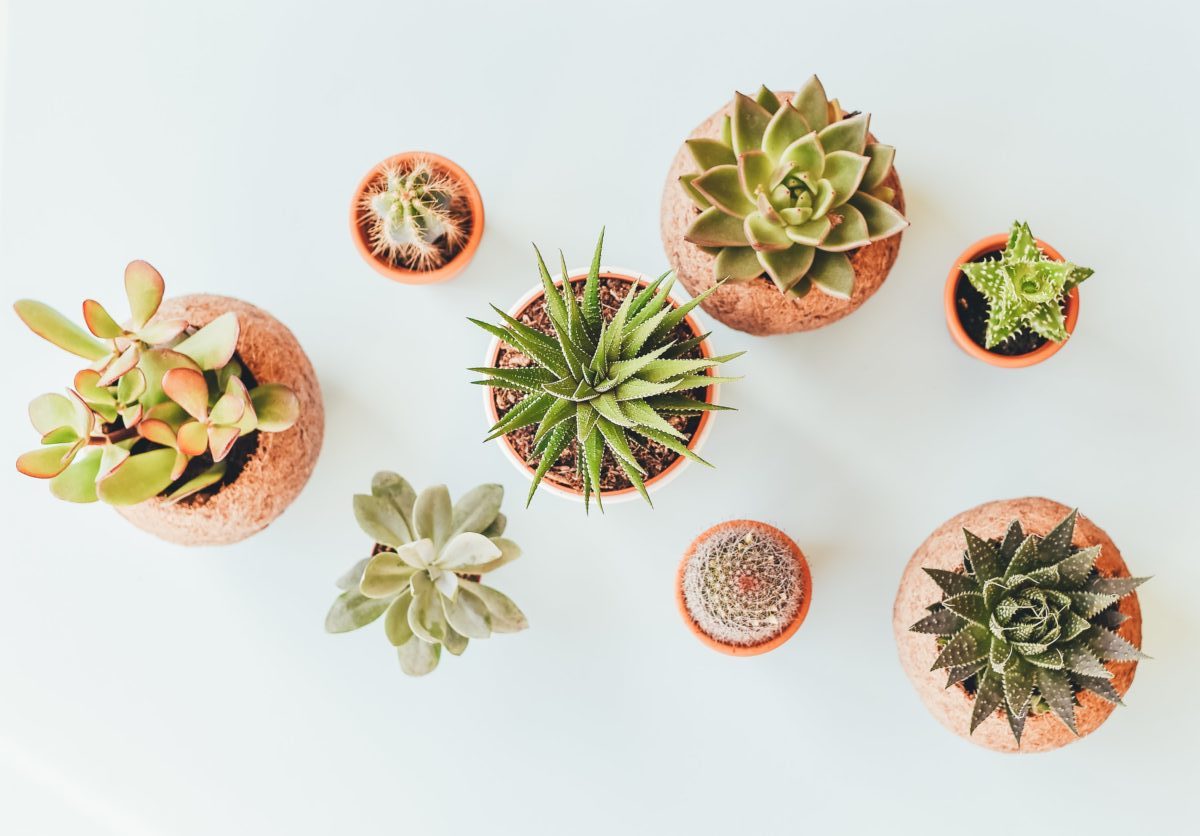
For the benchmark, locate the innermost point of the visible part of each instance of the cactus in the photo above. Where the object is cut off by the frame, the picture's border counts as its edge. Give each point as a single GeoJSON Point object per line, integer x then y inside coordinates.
{"type": "Point", "coordinates": [1024, 288]}
{"type": "Point", "coordinates": [413, 217]}
{"type": "Point", "coordinates": [161, 401]}
{"type": "Point", "coordinates": [742, 587]}
{"type": "Point", "coordinates": [789, 189]}
{"type": "Point", "coordinates": [1029, 624]}
{"type": "Point", "coordinates": [596, 380]}
{"type": "Point", "coordinates": [423, 575]}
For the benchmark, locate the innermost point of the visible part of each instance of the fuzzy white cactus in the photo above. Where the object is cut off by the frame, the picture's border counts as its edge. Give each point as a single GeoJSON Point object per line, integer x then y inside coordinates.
{"type": "Point", "coordinates": [414, 215]}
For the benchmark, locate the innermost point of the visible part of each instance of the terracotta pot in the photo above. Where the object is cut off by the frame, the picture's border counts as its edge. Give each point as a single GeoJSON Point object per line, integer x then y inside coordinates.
{"type": "Point", "coordinates": [757, 306]}
{"type": "Point", "coordinates": [959, 334]}
{"type": "Point", "coordinates": [277, 470]}
{"type": "Point", "coordinates": [653, 484]}
{"type": "Point", "coordinates": [805, 581]}
{"type": "Point", "coordinates": [944, 550]}
{"type": "Point", "coordinates": [358, 227]}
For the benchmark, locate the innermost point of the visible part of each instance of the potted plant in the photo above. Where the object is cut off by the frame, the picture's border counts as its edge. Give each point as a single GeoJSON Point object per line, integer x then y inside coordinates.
{"type": "Point", "coordinates": [792, 201]}
{"type": "Point", "coordinates": [423, 572]}
{"type": "Point", "coordinates": [600, 383]}
{"type": "Point", "coordinates": [417, 218]}
{"type": "Point", "coordinates": [1018, 623]}
{"type": "Point", "coordinates": [743, 587]}
{"type": "Point", "coordinates": [200, 418]}
{"type": "Point", "coordinates": [1011, 300]}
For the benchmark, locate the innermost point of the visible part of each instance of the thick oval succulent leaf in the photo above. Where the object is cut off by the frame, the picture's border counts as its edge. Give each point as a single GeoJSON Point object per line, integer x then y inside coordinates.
{"type": "Point", "coordinates": [506, 617]}
{"type": "Point", "coordinates": [395, 622]}
{"type": "Point", "coordinates": [750, 120]}
{"type": "Point", "coordinates": [722, 185]}
{"type": "Point", "coordinates": [709, 153]}
{"type": "Point", "coordinates": [846, 135]}
{"type": "Point", "coordinates": [160, 333]}
{"type": "Point", "coordinates": [754, 170]}
{"type": "Point", "coordinates": [228, 410]}
{"type": "Point", "coordinates": [844, 171]}
{"type": "Point", "coordinates": [221, 441]}
{"type": "Point", "coordinates": [52, 326]}
{"type": "Point", "coordinates": [192, 439]}
{"type": "Point", "coordinates": [850, 234]}
{"type": "Point", "coordinates": [509, 551]}
{"type": "Point", "coordinates": [832, 273]}
{"type": "Point", "coordinates": [788, 266]}
{"type": "Point", "coordinates": [99, 322]}
{"type": "Point", "coordinates": [882, 157]}
{"type": "Point", "coordinates": [386, 574]}
{"type": "Point", "coordinates": [466, 549]}
{"type": "Point", "coordinates": [352, 610]}
{"type": "Point", "coordinates": [738, 263]}
{"type": "Point", "coordinates": [53, 411]}
{"type": "Point", "coordinates": [154, 364]}
{"type": "Point", "coordinates": [455, 642]}
{"type": "Point", "coordinates": [276, 406]}
{"type": "Point", "coordinates": [189, 389]}
{"type": "Point", "coordinates": [417, 657]}
{"type": "Point", "coordinates": [807, 158]}
{"type": "Point", "coordinates": [205, 479]}
{"type": "Point", "coordinates": [382, 520]}
{"type": "Point", "coordinates": [78, 482]}
{"type": "Point", "coordinates": [140, 477]}
{"type": "Point", "coordinates": [883, 219]}
{"type": "Point", "coordinates": [786, 126]}
{"type": "Point", "coordinates": [144, 289]}
{"type": "Point", "coordinates": [811, 233]}
{"type": "Point", "coordinates": [468, 615]}
{"type": "Point", "coordinates": [352, 577]}
{"type": "Point", "coordinates": [119, 365]}
{"type": "Point", "coordinates": [433, 514]}
{"type": "Point", "coordinates": [765, 237]}
{"type": "Point", "coordinates": [812, 104]}
{"type": "Point", "coordinates": [49, 461]}
{"type": "Point", "coordinates": [214, 344]}
{"type": "Point", "coordinates": [425, 615]}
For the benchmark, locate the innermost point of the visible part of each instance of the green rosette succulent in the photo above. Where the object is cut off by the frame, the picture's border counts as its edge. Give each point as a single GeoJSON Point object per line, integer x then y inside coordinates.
{"type": "Point", "coordinates": [1030, 624]}
{"type": "Point", "coordinates": [789, 189]}
{"type": "Point", "coordinates": [423, 576]}
{"type": "Point", "coordinates": [1024, 288]}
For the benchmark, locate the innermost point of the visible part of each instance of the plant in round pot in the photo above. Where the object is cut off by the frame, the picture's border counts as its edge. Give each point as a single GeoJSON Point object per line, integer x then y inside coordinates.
{"type": "Point", "coordinates": [600, 384]}
{"type": "Point", "coordinates": [1018, 623]}
{"type": "Point", "coordinates": [423, 572]}
{"type": "Point", "coordinates": [791, 202]}
{"type": "Point", "coordinates": [743, 587]}
{"type": "Point", "coordinates": [417, 218]}
{"type": "Point", "coordinates": [1011, 300]}
{"type": "Point", "coordinates": [200, 418]}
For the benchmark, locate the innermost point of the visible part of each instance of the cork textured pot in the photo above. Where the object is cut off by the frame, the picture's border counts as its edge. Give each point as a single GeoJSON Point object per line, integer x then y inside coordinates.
{"type": "Point", "coordinates": [277, 470]}
{"type": "Point", "coordinates": [805, 589]}
{"type": "Point", "coordinates": [943, 550]}
{"type": "Point", "coordinates": [757, 306]}
{"type": "Point", "coordinates": [458, 262]}
{"type": "Point", "coordinates": [959, 334]}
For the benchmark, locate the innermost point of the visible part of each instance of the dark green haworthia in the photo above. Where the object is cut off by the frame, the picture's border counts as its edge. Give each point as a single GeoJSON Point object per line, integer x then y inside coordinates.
{"type": "Point", "coordinates": [1032, 622]}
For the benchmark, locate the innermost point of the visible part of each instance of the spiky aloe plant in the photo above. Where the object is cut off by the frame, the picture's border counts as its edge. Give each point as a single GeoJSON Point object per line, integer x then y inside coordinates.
{"type": "Point", "coordinates": [596, 380]}
{"type": "Point", "coordinates": [157, 397]}
{"type": "Point", "coordinates": [424, 574]}
{"type": "Point", "coordinates": [788, 189]}
{"type": "Point", "coordinates": [1024, 288]}
{"type": "Point", "coordinates": [1030, 623]}
{"type": "Point", "coordinates": [411, 215]}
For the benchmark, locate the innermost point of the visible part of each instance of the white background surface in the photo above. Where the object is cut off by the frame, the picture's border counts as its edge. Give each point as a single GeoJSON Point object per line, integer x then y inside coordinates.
{"type": "Point", "coordinates": [151, 689]}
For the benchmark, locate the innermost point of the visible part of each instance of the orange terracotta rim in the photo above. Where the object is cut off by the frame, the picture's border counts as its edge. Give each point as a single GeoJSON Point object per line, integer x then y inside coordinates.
{"type": "Point", "coordinates": [452, 267]}
{"type": "Point", "coordinates": [673, 467]}
{"type": "Point", "coordinates": [959, 334]}
{"type": "Point", "coordinates": [805, 590]}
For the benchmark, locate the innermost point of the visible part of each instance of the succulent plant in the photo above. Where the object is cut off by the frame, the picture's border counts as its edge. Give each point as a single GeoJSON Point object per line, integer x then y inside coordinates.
{"type": "Point", "coordinates": [423, 576]}
{"type": "Point", "coordinates": [1029, 624]}
{"type": "Point", "coordinates": [597, 380]}
{"type": "Point", "coordinates": [410, 209]}
{"type": "Point", "coordinates": [1024, 288]}
{"type": "Point", "coordinates": [789, 189]}
{"type": "Point", "coordinates": [158, 396]}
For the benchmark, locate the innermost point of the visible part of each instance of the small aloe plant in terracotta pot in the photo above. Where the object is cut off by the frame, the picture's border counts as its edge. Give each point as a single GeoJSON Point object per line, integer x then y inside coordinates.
{"type": "Point", "coordinates": [200, 418]}
{"type": "Point", "coordinates": [743, 587]}
{"type": "Point", "coordinates": [1012, 300]}
{"type": "Point", "coordinates": [600, 384]}
{"type": "Point", "coordinates": [1018, 623]}
{"type": "Point", "coordinates": [423, 573]}
{"type": "Point", "coordinates": [417, 218]}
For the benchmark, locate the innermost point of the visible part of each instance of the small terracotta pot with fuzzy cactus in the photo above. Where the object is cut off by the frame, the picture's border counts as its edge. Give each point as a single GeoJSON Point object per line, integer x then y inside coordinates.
{"type": "Point", "coordinates": [791, 202]}
{"type": "Point", "coordinates": [1018, 624]}
{"type": "Point", "coordinates": [743, 587]}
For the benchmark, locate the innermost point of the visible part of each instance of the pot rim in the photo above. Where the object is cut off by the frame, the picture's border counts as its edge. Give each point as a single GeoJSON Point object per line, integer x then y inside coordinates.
{"type": "Point", "coordinates": [770, 644]}
{"type": "Point", "coordinates": [460, 260]}
{"type": "Point", "coordinates": [621, 494]}
{"type": "Point", "coordinates": [959, 334]}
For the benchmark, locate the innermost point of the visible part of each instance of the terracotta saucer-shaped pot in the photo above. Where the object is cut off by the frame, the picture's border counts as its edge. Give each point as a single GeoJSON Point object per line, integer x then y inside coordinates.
{"type": "Point", "coordinates": [281, 463]}
{"type": "Point", "coordinates": [757, 306]}
{"type": "Point", "coordinates": [472, 207]}
{"type": "Point", "coordinates": [740, 528]}
{"type": "Point", "coordinates": [549, 483]}
{"type": "Point", "coordinates": [944, 550]}
{"type": "Point", "coordinates": [991, 244]}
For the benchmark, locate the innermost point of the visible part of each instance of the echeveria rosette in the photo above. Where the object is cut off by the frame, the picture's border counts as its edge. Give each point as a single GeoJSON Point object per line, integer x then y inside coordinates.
{"type": "Point", "coordinates": [789, 189]}
{"type": "Point", "coordinates": [1032, 622]}
{"type": "Point", "coordinates": [597, 380]}
{"type": "Point", "coordinates": [156, 395]}
{"type": "Point", "coordinates": [1024, 288]}
{"type": "Point", "coordinates": [423, 579]}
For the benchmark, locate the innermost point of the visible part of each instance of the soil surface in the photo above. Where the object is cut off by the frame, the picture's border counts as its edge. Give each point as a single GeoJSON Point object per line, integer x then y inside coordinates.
{"type": "Point", "coordinates": [972, 310]}
{"type": "Point", "coordinates": [654, 457]}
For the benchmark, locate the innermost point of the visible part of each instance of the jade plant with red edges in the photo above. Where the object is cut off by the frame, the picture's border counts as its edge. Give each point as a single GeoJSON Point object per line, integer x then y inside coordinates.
{"type": "Point", "coordinates": [159, 409]}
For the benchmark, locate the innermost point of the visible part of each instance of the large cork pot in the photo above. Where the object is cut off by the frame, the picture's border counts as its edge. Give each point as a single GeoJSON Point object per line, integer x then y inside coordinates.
{"type": "Point", "coordinates": [757, 306]}
{"type": "Point", "coordinates": [943, 549]}
{"type": "Point", "coordinates": [276, 472]}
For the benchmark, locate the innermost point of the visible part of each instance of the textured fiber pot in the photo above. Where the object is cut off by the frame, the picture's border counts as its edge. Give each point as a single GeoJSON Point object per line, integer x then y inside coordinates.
{"type": "Point", "coordinates": [943, 550]}
{"type": "Point", "coordinates": [788, 632]}
{"type": "Point", "coordinates": [986, 245]}
{"type": "Point", "coordinates": [624, 494]}
{"type": "Point", "coordinates": [277, 470]}
{"type": "Point", "coordinates": [757, 306]}
{"type": "Point", "coordinates": [452, 267]}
